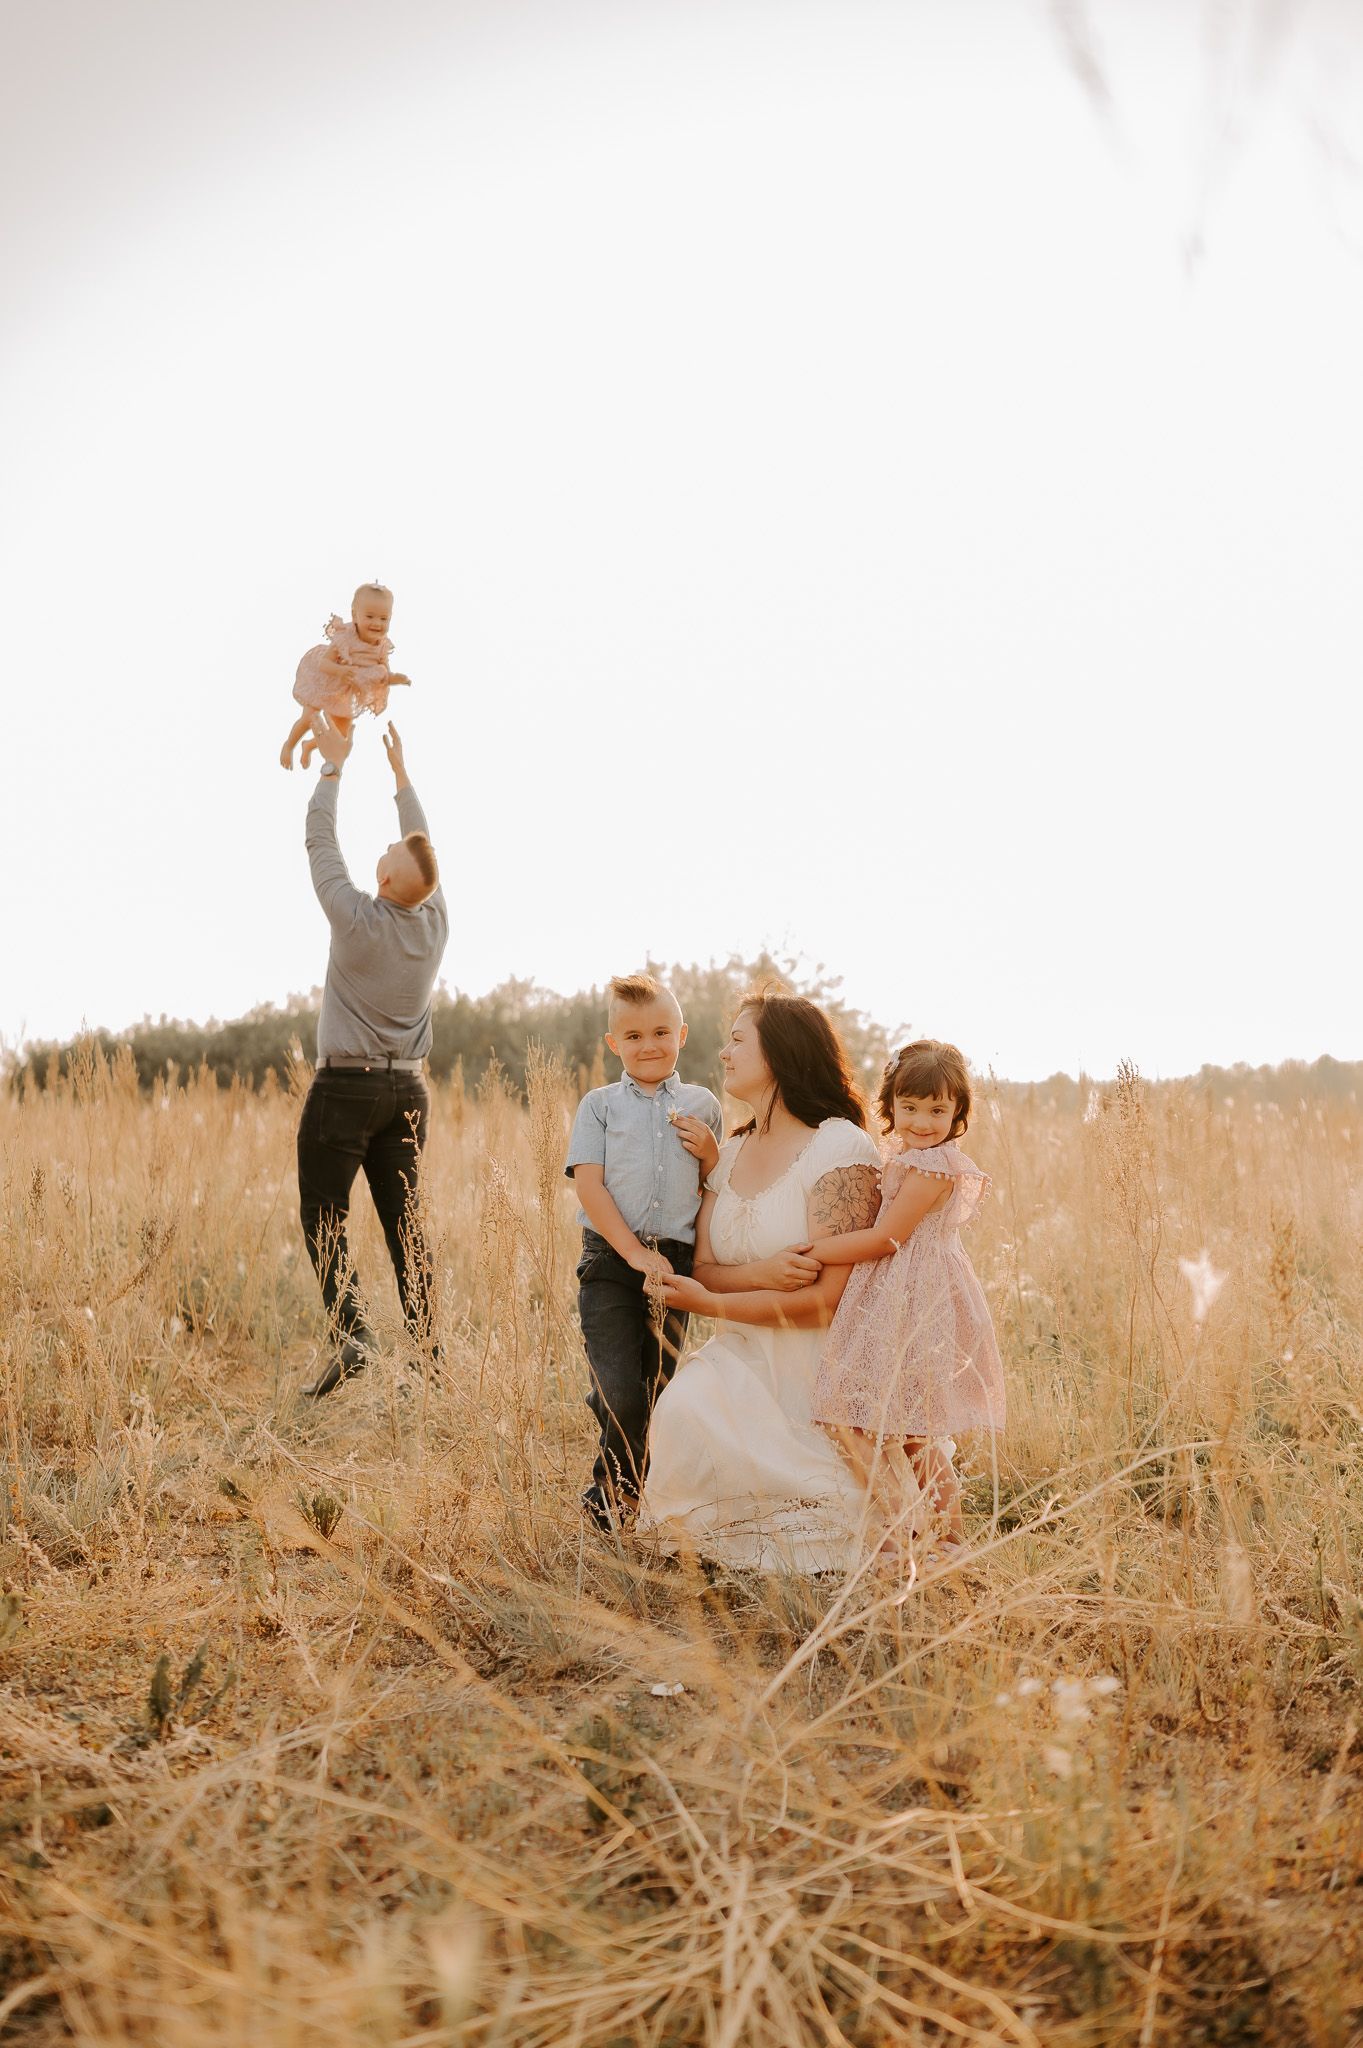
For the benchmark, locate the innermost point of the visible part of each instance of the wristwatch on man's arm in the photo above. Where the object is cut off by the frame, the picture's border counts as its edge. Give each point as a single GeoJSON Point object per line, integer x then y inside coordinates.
{"type": "Point", "coordinates": [330, 771]}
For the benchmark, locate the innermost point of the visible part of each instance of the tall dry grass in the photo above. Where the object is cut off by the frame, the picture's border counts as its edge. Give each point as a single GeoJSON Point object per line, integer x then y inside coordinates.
{"type": "Point", "coordinates": [333, 1725]}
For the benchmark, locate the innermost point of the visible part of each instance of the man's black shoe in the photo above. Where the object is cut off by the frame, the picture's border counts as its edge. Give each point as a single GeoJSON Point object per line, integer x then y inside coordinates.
{"type": "Point", "coordinates": [607, 1511]}
{"type": "Point", "coordinates": [351, 1358]}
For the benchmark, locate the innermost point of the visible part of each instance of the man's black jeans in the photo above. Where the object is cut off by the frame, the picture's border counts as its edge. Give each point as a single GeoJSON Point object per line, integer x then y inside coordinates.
{"type": "Point", "coordinates": [631, 1357]}
{"type": "Point", "coordinates": [375, 1120]}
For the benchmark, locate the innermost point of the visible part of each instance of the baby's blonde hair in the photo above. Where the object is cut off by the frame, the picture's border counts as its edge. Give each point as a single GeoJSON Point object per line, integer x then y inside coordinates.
{"type": "Point", "coordinates": [370, 590]}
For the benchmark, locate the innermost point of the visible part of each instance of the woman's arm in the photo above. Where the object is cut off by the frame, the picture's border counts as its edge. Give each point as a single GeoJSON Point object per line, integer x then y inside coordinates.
{"type": "Point", "coordinates": [843, 1200]}
{"type": "Point", "coordinates": [920, 1194]}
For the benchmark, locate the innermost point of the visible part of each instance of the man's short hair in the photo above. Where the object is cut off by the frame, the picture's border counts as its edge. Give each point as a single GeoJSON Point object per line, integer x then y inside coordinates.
{"type": "Point", "coordinates": [631, 990]}
{"type": "Point", "coordinates": [425, 862]}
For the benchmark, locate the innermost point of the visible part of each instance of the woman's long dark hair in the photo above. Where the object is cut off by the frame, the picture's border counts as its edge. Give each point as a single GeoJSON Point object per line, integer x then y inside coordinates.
{"type": "Point", "coordinates": [807, 1059]}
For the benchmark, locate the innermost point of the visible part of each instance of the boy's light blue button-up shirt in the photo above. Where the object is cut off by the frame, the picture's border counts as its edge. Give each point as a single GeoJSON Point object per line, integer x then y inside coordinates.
{"type": "Point", "coordinates": [650, 1176]}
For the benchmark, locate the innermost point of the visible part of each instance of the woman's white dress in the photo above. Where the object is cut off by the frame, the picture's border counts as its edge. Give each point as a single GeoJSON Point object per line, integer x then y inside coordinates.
{"type": "Point", "coordinates": [738, 1469]}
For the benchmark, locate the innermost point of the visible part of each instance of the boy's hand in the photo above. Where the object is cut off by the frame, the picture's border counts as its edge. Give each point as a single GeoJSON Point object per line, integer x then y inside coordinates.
{"type": "Point", "coordinates": [794, 1267]}
{"type": "Point", "coordinates": [651, 1264]}
{"type": "Point", "coordinates": [699, 1140]}
{"type": "Point", "coordinates": [332, 745]}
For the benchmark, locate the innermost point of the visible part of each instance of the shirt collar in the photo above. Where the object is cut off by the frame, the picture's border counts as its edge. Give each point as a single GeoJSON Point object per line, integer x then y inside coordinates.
{"type": "Point", "coordinates": [666, 1087]}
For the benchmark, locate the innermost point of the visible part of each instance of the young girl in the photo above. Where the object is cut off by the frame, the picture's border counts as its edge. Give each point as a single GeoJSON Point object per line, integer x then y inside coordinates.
{"type": "Point", "coordinates": [911, 1357]}
{"type": "Point", "coordinates": [349, 673]}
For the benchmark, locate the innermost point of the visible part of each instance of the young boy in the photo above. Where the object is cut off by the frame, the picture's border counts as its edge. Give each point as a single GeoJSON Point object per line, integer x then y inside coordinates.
{"type": "Point", "coordinates": [639, 1151]}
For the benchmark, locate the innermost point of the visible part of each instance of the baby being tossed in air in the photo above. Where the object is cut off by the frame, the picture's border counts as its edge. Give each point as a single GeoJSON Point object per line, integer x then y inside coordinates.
{"type": "Point", "coordinates": [347, 673]}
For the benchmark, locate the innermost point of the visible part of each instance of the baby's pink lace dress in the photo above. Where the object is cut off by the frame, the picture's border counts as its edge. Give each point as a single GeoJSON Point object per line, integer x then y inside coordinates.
{"type": "Point", "coordinates": [357, 682]}
{"type": "Point", "coordinates": [912, 1351]}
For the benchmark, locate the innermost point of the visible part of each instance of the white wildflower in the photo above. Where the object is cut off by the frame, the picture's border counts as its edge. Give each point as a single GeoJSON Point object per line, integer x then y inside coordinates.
{"type": "Point", "coordinates": [1205, 1282]}
{"type": "Point", "coordinates": [1071, 1704]}
{"type": "Point", "coordinates": [1074, 1697]}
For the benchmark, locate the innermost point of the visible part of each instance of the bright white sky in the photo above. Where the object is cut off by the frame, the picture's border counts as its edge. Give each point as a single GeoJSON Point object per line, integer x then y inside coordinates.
{"type": "Point", "coordinates": [841, 488]}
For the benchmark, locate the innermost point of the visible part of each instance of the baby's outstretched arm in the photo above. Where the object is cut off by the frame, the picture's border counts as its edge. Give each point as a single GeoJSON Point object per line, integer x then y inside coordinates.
{"type": "Point", "coordinates": [920, 1193]}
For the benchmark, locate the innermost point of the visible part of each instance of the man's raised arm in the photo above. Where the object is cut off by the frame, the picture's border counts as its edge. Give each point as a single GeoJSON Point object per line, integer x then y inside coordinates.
{"type": "Point", "coordinates": [336, 892]}
{"type": "Point", "coordinates": [411, 817]}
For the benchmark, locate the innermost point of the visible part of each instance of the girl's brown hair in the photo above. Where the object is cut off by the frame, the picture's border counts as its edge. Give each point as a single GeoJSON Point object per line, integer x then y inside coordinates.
{"type": "Point", "coordinates": [926, 1068]}
{"type": "Point", "coordinates": [808, 1061]}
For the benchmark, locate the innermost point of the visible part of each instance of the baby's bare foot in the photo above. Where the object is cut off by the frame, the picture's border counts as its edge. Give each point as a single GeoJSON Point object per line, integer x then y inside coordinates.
{"type": "Point", "coordinates": [286, 756]}
{"type": "Point", "coordinates": [309, 749]}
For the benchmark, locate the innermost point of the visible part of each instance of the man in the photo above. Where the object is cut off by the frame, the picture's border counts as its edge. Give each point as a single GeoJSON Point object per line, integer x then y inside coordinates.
{"type": "Point", "coordinates": [368, 1106]}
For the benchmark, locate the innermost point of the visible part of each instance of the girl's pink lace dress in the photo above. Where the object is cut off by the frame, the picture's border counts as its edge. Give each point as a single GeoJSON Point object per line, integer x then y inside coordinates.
{"type": "Point", "coordinates": [357, 682]}
{"type": "Point", "coordinates": [912, 1351]}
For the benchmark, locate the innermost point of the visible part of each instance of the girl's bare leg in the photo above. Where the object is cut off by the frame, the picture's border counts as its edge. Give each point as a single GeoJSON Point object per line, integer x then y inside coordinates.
{"type": "Point", "coordinates": [883, 1471]}
{"type": "Point", "coordinates": [296, 732]}
{"type": "Point", "coordinates": [937, 1476]}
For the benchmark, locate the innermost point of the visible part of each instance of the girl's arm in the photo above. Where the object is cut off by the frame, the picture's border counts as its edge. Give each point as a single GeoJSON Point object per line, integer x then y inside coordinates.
{"type": "Point", "coordinates": [844, 1200]}
{"type": "Point", "coordinates": [920, 1194]}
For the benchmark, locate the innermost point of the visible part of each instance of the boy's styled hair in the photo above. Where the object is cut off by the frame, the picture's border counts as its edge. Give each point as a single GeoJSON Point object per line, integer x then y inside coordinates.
{"type": "Point", "coordinates": [424, 860]}
{"type": "Point", "coordinates": [634, 988]}
{"type": "Point", "coordinates": [630, 990]}
{"type": "Point", "coordinates": [371, 590]}
{"type": "Point", "coordinates": [927, 1067]}
{"type": "Point", "coordinates": [808, 1060]}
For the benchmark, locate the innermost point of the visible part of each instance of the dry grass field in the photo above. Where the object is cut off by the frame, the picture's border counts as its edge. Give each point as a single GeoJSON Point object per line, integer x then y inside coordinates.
{"type": "Point", "coordinates": [331, 1725]}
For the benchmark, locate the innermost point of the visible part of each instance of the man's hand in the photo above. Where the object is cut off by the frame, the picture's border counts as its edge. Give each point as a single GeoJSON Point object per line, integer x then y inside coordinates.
{"type": "Point", "coordinates": [392, 746]}
{"type": "Point", "coordinates": [332, 745]}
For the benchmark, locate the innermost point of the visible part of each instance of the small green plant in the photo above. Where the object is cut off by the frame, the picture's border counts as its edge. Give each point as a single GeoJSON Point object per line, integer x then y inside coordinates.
{"type": "Point", "coordinates": [166, 1702]}
{"type": "Point", "coordinates": [321, 1511]}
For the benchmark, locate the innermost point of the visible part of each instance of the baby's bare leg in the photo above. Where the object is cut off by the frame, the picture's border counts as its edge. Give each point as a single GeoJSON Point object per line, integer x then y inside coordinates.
{"type": "Point", "coordinates": [342, 726]}
{"type": "Point", "coordinates": [296, 732]}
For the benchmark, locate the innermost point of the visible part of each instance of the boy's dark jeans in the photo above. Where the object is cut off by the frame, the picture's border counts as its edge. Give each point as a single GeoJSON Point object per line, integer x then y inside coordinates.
{"type": "Point", "coordinates": [631, 1358]}
{"type": "Point", "coordinates": [375, 1120]}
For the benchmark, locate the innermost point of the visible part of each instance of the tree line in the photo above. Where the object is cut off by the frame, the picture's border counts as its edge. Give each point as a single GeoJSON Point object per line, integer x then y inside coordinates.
{"type": "Point", "coordinates": [471, 1033]}
{"type": "Point", "coordinates": [468, 1033]}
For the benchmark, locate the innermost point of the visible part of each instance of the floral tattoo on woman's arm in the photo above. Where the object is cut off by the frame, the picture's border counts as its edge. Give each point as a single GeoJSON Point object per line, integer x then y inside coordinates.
{"type": "Point", "coordinates": [846, 1199]}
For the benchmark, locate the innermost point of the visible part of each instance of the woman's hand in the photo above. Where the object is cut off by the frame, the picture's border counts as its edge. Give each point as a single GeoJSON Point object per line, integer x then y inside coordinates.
{"type": "Point", "coordinates": [689, 1296]}
{"type": "Point", "coordinates": [794, 1267]}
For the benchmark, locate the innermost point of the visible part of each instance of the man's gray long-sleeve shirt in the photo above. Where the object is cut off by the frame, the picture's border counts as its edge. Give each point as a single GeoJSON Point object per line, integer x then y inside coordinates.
{"type": "Point", "coordinates": [384, 958]}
